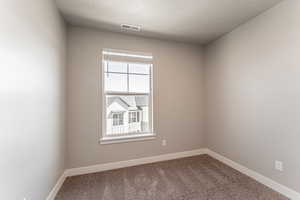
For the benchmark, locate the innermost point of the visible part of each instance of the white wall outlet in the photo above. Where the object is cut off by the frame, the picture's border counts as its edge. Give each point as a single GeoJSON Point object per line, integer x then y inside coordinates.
{"type": "Point", "coordinates": [164, 142]}
{"type": "Point", "coordinates": [278, 165]}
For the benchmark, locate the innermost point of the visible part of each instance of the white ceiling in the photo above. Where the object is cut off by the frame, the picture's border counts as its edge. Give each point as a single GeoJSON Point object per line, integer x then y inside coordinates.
{"type": "Point", "coordinates": [198, 21]}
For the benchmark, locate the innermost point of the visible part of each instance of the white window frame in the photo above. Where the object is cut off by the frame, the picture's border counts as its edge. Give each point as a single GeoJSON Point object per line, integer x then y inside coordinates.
{"type": "Point", "coordinates": [128, 137]}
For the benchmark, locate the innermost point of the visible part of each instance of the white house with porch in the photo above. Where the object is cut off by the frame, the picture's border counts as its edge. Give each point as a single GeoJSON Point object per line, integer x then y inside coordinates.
{"type": "Point", "coordinates": [127, 114]}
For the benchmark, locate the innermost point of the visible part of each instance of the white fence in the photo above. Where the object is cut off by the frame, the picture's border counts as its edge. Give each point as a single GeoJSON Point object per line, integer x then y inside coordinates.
{"type": "Point", "coordinates": [128, 128]}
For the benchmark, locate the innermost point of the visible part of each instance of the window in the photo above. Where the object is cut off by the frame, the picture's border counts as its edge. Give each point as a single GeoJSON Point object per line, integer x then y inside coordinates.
{"type": "Point", "coordinates": [127, 96]}
{"type": "Point", "coordinates": [118, 119]}
{"type": "Point", "coordinates": [134, 117]}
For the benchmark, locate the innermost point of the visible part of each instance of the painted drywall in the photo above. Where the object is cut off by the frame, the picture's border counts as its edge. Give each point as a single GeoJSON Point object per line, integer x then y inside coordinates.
{"type": "Point", "coordinates": [253, 93]}
{"type": "Point", "coordinates": [177, 97]}
{"type": "Point", "coordinates": [32, 52]}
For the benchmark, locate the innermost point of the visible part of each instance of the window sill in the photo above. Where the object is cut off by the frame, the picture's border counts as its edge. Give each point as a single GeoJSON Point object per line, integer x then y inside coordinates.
{"type": "Point", "coordinates": [128, 138]}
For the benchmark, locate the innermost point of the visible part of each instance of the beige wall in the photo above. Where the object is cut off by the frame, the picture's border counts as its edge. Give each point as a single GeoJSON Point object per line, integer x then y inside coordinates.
{"type": "Point", "coordinates": [253, 94]}
{"type": "Point", "coordinates": [177, 97]}
{"type": "Point", "coordinates": [32, 41]}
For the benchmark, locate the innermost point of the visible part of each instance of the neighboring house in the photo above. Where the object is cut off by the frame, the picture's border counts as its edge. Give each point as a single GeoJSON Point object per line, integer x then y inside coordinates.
{"type": "Point", "coordinates": [127, 114]}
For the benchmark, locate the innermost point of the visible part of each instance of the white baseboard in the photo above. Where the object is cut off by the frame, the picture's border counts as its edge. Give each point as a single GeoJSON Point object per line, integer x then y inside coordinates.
{"type": "Point", "coordinates": [120, 164]}
{"type": "Point", "coordinates": [293, 195]}
{"type": "Point", "coordinates": [134, 162]}
{"type": "Point", "coordinates": [57, 186]}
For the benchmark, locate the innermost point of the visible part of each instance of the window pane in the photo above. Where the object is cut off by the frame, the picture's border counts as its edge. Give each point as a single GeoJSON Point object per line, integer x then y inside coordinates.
{"type": "Point", "coordinates": [115, 82]}
{"type": "Point", "coordinates": [111, 66]}
{"type": "Point", "coordinates": [117, 119]}
{"type": "Point", "coordinates": [139, 83]}
{"type": "Point", "coordinates": [132, 116]}
{"type": "Point", "coordinates": [127, 114]}
{"type": "Point", "coordinates": [139, 68]}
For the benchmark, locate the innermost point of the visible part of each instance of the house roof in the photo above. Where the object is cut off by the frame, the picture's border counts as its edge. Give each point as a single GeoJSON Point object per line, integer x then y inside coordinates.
{"type": "Point", "coordinates": [130, 101]}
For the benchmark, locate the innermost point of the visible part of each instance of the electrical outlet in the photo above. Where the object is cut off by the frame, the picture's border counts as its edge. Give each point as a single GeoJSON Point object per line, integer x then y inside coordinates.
{"type": "Point", "coordinates": [278, 165]}
{"type": "Point", "coordinates": [164, 142]}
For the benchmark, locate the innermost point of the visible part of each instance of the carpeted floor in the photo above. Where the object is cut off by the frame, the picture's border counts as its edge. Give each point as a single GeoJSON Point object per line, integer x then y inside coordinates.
{"type": "Point", "coordinates": [193, 178]}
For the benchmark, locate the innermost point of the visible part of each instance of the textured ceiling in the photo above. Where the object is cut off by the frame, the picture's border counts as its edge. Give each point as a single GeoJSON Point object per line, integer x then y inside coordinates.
{"type": "Point", "coordinates": [198, 21]}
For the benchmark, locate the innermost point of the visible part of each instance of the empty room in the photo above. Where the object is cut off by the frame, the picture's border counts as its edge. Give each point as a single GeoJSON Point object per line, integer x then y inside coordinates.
{"type": "Point", "coordinates": [150, 100]}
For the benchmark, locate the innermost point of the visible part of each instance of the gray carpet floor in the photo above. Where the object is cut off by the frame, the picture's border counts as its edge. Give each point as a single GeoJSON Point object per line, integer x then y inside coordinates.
{"type": "Point", "coordinates": [193, 178]}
